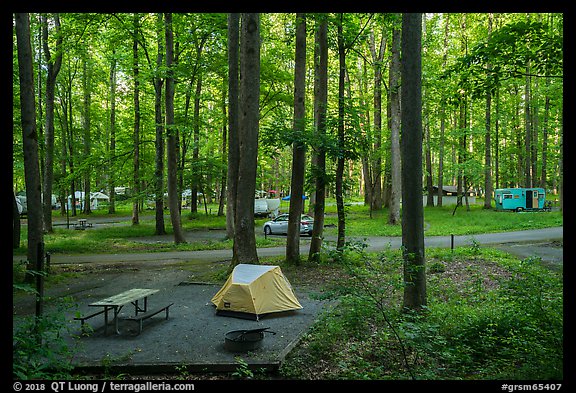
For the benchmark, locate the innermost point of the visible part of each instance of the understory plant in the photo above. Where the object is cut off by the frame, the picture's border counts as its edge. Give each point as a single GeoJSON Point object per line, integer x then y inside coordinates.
{"type": "Point", "coordinates": [39, 347]}
{"type": "Point", "coordinates": [489, 316]}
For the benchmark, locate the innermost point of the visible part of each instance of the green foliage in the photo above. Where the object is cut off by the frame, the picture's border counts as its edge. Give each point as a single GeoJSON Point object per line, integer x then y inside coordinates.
{"type": "Point", "coordinates": [40, 350]}
{"type": "Point", "coordinates": [489, 316]}
{"type": "Point", "coordinates": [507, 53]}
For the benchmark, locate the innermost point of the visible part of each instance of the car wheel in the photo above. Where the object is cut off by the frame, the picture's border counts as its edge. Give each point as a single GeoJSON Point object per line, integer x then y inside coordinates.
{"type": "Point", "coordinates": [267, 230]}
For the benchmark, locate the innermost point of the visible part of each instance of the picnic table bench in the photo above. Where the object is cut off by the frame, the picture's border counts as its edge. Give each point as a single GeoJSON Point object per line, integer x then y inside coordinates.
{"type": "Point", "coordinates": [82, 224]}
{"type": "Point", "coordinates": [117, 302]}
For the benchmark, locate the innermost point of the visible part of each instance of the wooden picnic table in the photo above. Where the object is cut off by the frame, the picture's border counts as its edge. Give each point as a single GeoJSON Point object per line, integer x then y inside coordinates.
{"type": "Point", "coordinates": [82, 224]}
{"type": "Point", "coordinates": [118, 301]}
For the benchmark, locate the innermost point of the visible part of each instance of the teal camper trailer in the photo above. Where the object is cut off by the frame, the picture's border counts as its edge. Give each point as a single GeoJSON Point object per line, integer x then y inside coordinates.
{"type": "Point", "coordinates": [520, 199]}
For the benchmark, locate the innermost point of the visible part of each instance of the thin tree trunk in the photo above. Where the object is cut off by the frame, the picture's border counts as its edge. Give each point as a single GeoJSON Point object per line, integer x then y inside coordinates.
{"type": "Point", "coordinates": [112, 148]}
{"type": "Point", "coordinates": [196, 177]}
{"type": "Point", "coordinates": [395, 157]}
{"type": "Point", "coordinates": [171, 131]}
{"type": "Point", "coordinates": [377, 161]}
{"type": "Point", "coordinates": [223, 187]}
{"type": "Point", "coordinates": [320, 106]}
{"type": "Point", "coordinates": [86, 81]}
{"type": "Point", "coordinates": [528, 131]}
{"type": "Point", "coordinates": [136, 140]}
{"type": "Point", "coordinates": [53, 66]}
{"type": "Point", "coordinates": [442, 117]}
{"type": "Point", "coordinates": [487, 140]}
{"type": "Point", "coordinates": [233, 117]}
{"type": "Point", "coordinates": [298, 147]}
{"type": "Point", "coordinates": [159, 142]}
{"type": "Point", "coordinates": [341, 239]}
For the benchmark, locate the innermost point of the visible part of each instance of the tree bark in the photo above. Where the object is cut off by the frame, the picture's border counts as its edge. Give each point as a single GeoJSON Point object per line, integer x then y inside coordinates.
{"type": "Point", "coordinates": [112, 147]}
{"type": "Point", "coordinates": [86, 81]}
{"type": "Point", "coordinates": [320, 106]}
{"type": "Point", "coordinates": [411, 144]}
{"type": "Point", "coordinates": [442, 116]}
{"type": "Point", "coordinates": [395, 157]}
{"type": "Point", "coordinates": [377, 58]}
{"type": "Point", "coordinates": [298, 147]}
{"type": "Point", "coordinates": [233, 118]}
{"type": "Point", "coordinates": [136, 157]}
{"type": "Point", "coordinates": [487, 141]}
{"type": "Point", "coordinates": [244, 236]}
{"type": "Point", "coordinates": [341, 239]}
{"type": "Point", "coordinates": [53, 68]}
{"type": "Point", "coordinates": [159, 141]}
{"type": "Point", "coordinates": [171, 131]}
{"type": "Point", "coordinates": [29, 140]}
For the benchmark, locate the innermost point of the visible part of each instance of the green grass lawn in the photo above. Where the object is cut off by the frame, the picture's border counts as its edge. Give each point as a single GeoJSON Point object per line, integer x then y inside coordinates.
{"type": "Point", "coordinates": [438, 221]}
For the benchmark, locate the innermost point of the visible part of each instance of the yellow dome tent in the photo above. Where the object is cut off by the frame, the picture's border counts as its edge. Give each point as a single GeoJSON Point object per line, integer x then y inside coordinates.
{"type": "Point", "coordinates": [254, 290]}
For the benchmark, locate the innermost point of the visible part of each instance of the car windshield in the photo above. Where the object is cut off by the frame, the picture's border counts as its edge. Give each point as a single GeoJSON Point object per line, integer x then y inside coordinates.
{"type": "Point", "coordinates": [306, 218]}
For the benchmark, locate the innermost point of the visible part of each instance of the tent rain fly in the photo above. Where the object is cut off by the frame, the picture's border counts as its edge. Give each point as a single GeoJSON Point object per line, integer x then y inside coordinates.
{"type": "Point", "coordinates": [254, 290]}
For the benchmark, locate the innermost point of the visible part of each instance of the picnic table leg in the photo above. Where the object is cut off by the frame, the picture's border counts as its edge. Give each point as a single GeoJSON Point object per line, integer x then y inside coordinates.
{"type": "Point", "coordinates": [116, 312]}
{"type": "Point", "coordinates": [106, 308]}
{"type": "Point", "coordinates": [137, 308]}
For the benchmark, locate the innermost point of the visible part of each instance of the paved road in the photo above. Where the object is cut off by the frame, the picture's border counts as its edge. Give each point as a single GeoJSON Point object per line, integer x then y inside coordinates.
{"type": "Point", "coordinates": [374, 244]}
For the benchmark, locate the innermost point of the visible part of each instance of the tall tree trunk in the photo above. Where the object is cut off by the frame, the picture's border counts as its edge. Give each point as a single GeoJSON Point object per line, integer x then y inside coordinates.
{"type": "Point", "coordinates": [341, 239]}
{"type": "Point", "coordinates": [487, 139]}
{"type": "Point", "coordinates": [159, 141]}
{"type": "Point", "coordinates": [136, 157]}
{"type": "Point", "coordinates": [196, 175]}
{"type": "Point", "coordinates": [298, 147]}
{"type": "Point", "coordinates": [86, 81]}
{"type": "Point", "coordinates": [377, 58]}
{"type": "Point", "coordinates": [233, 119]}
{"type": "Point", "coordinates": [543, 172]}
{"type": "Point", "coordinates": [320, 107]}
{"type": "Point", "coordinates": [528, 131]}
{"type": "Point", "coordinates": [112, 148]}
{"type": "Point", "coordinates": [29, 141]}
{"type": "Point", "coordinates": [53, 66]}
{"type": "Point", "coordinates": [223, 187]}
{"type": "Point", "coordinates": [497, 142]}
{"type": "Point", "coordinates": [427, 147]}
{"type": "Point", "coordinates": [412, 209]}
{"type": "Point", "coordinates": [395, 157]}
{"type": "Point", "coordinates": [244, 236]}
{"type": "Point", "coordinates": [488, 156]}
{"type": "Point", "coordinates": [442, 115]}
{"type": "Point", "coordinates": [428, 163]}
{"type": "Point", "coordinates": [171, 131]}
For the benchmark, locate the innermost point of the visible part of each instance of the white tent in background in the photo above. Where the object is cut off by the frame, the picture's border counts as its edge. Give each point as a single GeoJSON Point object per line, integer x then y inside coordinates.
{"type": "Point", "coordinates": [95, 197]}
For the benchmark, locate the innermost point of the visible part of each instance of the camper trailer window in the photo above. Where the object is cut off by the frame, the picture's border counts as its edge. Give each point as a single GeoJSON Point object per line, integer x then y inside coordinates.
{"type": "Point", "coordinates": [507, 196]}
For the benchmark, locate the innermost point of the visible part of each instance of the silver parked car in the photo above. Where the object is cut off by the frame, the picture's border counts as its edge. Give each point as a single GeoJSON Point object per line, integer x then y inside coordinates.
{"type": "Point", "coordinates": [279, 225]}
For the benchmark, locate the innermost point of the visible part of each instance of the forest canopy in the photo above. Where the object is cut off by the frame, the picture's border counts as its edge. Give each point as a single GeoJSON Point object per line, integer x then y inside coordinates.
{"type": "Point", "coordinates": [492, 96]}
